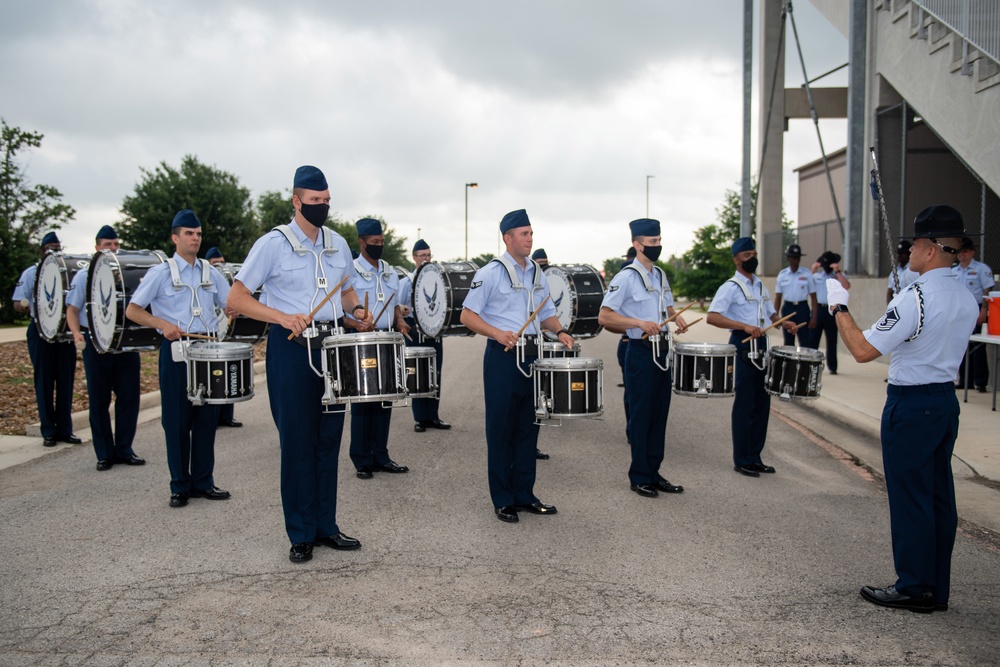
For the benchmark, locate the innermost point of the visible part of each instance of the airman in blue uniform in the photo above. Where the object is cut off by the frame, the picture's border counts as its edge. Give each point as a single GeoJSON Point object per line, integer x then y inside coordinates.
{"type": "Point", "coordinates": [822, 323]}
{"type": "Point", "coordinates": [794, 286]}
{"type": "Point", "coordinates": [298, 264]}
{"type": "Point", "coordinates": [901, 272]}
{"type": "Point", "coordinates": [638, 302]}
{"type": "Point", "coordinates": [925, 328]}
{"type": "Point", "coordinates": [107, 374]}
{"type": "Point", "coordinates": [978, 279]}
{"type": "Point", "coordinates": [503, 295]}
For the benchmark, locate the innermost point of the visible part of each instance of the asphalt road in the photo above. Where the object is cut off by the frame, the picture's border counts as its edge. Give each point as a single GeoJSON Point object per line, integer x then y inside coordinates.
{"type": "Point", "coordinates": [98, 570]}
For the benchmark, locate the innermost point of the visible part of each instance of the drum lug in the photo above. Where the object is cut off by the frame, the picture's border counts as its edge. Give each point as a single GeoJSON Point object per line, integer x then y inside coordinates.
{"type": "Point", "coordinates": [704, 387]}
{"type": "Point", "coordinates": [785, 393]}
{"type": "Point", "coordinates": [199, 397]}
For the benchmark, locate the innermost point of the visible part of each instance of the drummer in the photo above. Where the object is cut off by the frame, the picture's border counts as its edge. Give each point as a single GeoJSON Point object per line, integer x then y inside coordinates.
{"type": "Point", "coordinates": [742, 305]}
{"type": "Point", "coordinates": [184, 294]}
{"type": "Point", "coordinates": [503, 295]}
{"type": "Point", "coordinates": [54, 363]}
{"type": "Point", "coordinates": [106, 373]}
{"type": "Point", "coordinates": [638, 301]}
{"type": "Point", "coordinates": [298, 264]}
{"type": "Point", "coordinates": [425, 410]}
{"type": "Point", "coordinates": [795, 287]}
{"type": "Point", "coordinates": [227, 411]}
{"type": "Point", "coordinates": [541, 259]}
{"type": "Point", "coordinates": [623, 346]}
{"type": "Point", "coordinates": [377, 284]}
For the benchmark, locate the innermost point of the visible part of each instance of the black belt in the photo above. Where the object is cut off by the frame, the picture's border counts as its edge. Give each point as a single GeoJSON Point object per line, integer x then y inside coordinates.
{"type": "Point", "coordinates": [530, 347]}
{"type": "Point", "coordinates": [323, 330]}
{"type": "Point", "coordinates": [646, 342]}
{"type": "Point", "coordinates": [916, 389]}
{"type": "Point", "coordinates": [823, 305]}
{"type": "Point", "coordinates": [795, 303]}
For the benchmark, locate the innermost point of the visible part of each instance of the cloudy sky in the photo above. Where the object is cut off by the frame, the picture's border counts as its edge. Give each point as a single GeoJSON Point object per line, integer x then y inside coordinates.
{"type": "Point", "coordinates": [560, 107]}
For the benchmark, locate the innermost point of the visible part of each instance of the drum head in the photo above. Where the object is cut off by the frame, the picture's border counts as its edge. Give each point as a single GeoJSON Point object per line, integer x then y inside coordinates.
{"type": "Point", "coordinates": [430, 299]}
{"type": "Point", "coordinates": [563, 295]}
{"type": "Point", "coordinates": [802, 353]}
{"type": "Point", "coordinates": [705, 349]}
{"type": "Point", "coordinates": [50, 294]}
{"type": "Point", "coordinates": [103, 288]}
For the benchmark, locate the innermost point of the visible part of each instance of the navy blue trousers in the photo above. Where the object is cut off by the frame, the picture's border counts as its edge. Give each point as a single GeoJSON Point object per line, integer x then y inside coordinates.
{"type": "Point", "coordinates": [648, 391]}
{"type": "Point", "coordinates": [622, 347]}
{"type": "Point", "coordinates": [107, 374]}
{"type": "Point", "coordinates": [751, 406]}
{"type": "Point", "coordinates": [54, 369]}
{"type": "Point", "coordinates": [511, 432]}
{"type": "Point", "coordinates": [825, 324]}
{"type": "Point", "coordinates": [426, 409]}
{"type": "Point", "coordinates": [919, 427]}
{"type": "Point", "coordinates": [189, 429]}
{"type": "Point", "coordinates": [801, 317]}
{"type": "Point", "coordinates": [309, 438]}
{"type": "Point", "coordinates": [370, 434]}
{"type": "Point", "coordinates": [227, 412]}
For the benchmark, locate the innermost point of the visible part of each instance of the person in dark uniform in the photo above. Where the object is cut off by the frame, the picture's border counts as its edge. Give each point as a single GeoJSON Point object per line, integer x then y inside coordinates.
{"type": "Point", "coordinates": [425, 410]}
{"type": "Point", "coordinates": [503, 295]}
{"type": "Point", "coordinates": [742, 305]}
{"type": "Point", "coordinates": [298, 264]}
{"type": "Point", "coordinates": [978, 279]}
{"type": "Point", "coordinates": [185, 295]}
{"type": "Point", "coordinates": [107, 374]}
{"type": "Point", "coordinates": [54, 363]}
{"type": "Point", "coordinates": [638, 301]}
{"type": "Point", "coordinates": [795, 287]}
{"type": "Point", "coordinates": [376, 280]}
{"type": "Point", "coordinates": [925, 328]}
{"type": "Point", "coordinates": [227, 411]}
{"type": "Point", "coordinates": [541, 259]}
{"type": "Point", "coordinates": [822, 323]}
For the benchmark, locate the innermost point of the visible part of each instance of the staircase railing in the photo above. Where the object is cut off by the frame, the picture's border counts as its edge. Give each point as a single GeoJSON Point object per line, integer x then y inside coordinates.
{"type": "Point", "coordinates": [977, 22]}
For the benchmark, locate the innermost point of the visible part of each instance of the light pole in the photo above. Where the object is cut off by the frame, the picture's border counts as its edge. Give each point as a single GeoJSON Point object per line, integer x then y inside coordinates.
{"type": "Point", "coordinates": [467, 186]}
{"type": "Point", "coordinates": [648, 176]}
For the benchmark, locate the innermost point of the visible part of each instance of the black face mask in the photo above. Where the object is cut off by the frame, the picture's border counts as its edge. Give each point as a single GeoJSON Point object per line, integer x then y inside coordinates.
{"type": "Point", "coordinates": [374, 251]}
{"type": "Point", "coordinates": [652, 252]}
{"type": "Point", "coordinates": [750, 266]}
{"type": "Point", "coordinates": [316, 214]}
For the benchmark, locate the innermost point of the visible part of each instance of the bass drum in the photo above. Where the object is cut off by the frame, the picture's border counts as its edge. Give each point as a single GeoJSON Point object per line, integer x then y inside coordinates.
{"type": "Point", "coordinates": [241, 328]}
{"type": "Point", "coordinates": [111, 282]}
{"type": "Point", "coordinates": [52, 281]}
{"type": "Point", "coordinates": [577, 292]}
{"type": "Point", "coordinates": [439, 290]}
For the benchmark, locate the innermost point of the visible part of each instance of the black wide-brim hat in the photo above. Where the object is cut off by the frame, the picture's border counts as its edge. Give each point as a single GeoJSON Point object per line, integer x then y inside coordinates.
{"type": "Point", "coordinates": [939, 221]}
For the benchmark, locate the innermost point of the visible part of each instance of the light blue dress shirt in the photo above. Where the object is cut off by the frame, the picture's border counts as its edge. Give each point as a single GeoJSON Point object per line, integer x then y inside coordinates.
{"type": "Point", "coordinates": [175, 304]}
{"type": "Point", "coordinates": [627, 296]}
{"type": "Point", "coordinates": [381, 287]}
{"type": "Point", "coordinates": [796, 286]}
{"type": "Point", "coordinates": [25, 287]}
{"type": "Point", "coordinates": [493, 298]}
{"type": "Point", "coordinates": [977, 278]}
{"type": "Point", "coordinates": [730, 302]}
{"type": "Point", "coordinates": [906, 276]}
{"type": "Point", "coordinates": [77, 296]}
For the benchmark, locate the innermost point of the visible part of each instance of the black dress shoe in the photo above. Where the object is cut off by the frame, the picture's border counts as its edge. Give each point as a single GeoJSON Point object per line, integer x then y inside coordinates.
{"type": "Point", "coordinates": [300, 553]}
{"type": "Point", "coordinates": [364, 472]}
{"type": "Point", "coordinates": [179, 500]}
{"type": "Point", "coordinates": [645, 490]}
{"type": "Point", "coordinates": [760, 467]}
{"type": "Point", "coordinates": [437, 423]}
{"type": "Point", "coordinates": [70, 439]}
{"type": "Point", "coordinates": [507, 513]}
{"type": "Point", "coordinates": [231, 423]}
{"type": "Point", "coordinates": [104, 464]}
{"type": "Point", "coordinates": [746, 470]}
{"type": "Point", "coordinates": [49, 442]}
{"type": "Point", "coordinates": [890, 597]}
{"type": "Point", "coordinates": [981, 388]}
{"type": "Point", "coordinates": [419, 428]}
{"type": "Point", "coordinates": [537, 508]}
{"type": "Point", "coordinates": [215, 493]}
{"type": "Point", "coordinates": [338, 541]}
{"type": "Point", "coordinates": [667, 487]}
{"type": "Point", "coordinates": [132, 460]}
{"type": "Point", "coordinates": [940, 606]}
{"type": "Point", "coordinates": [541, 456]}
{"type": "Point", "coordinates": [391, 466]}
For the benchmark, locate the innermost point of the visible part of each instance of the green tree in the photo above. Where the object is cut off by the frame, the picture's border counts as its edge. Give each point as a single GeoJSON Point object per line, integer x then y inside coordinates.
{"type": "Point", "coordinates": [481, 260]}
{"type": "Point", "coordinates": [217, 198]}
{"type": "Point", "coordinates": [26, 211]}
{"type": "Point", "coordinates": [273, 208]}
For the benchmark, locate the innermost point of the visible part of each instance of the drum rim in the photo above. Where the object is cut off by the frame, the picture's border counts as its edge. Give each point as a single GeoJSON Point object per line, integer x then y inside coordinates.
{"type": "Point", "coordinates": [568, 363]}
{"type": "Point", "coordinates": [797, 353]}
{"type": "Point", "coordinates": [114, 260]}
{"type": "Point", "coordinates": [419, 351]}
{"type": "Point", "coordinates": [697, 349]}
{"type": "Point", "coordinates": [204, 350]}
{"type": "Point", "coordinates": [362, 337]}
{"type": "Point", "coordinates": [58, 258]}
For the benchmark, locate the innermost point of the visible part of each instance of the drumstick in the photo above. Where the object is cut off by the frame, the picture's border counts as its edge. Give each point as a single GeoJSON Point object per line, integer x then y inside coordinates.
{"type": "Point", "coordinates": [671, 318]}
{"type": "Point", "coordinates": [201, 336]}
{"type": "Point", "coordinates": [366, 306]}
{"type": "Point", "coordinates": [323, 302]}
{"type": "Point", "coordinates": [530, 320]}
{"type": "Point", "coordinates": [379, 316]}
{"type": "Point", "coordinates": [774, 324]}
{"type": "Point", "coordinates": [691, 324]}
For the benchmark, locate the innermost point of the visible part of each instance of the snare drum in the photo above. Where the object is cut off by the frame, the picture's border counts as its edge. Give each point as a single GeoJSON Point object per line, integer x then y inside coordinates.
{"type": "Point", "coordinates": [111, 281]}
{"type": "Point", "coordinates": [52, 280]}
{"type": "Point", "coordinates": [439, 290]}
{"type": "Point", "coordinates": [421, 372]}
{"type": "Point", "coordinates": [794, 372]}
{"type": "Point", "coordinates": [364, 367]}
{"type": "Point", "coordinates": [241, 327]}
{"type": "Point", "coordinates": [577, 292]}
{"type": "Point", "coordinates": [219, 372]}
{"type": "Point", "coordinates": [568, 388]}
{"type": "Point", "coordinates": [553, 349]}
{"type": "Point", "coordinates": [704, 370]}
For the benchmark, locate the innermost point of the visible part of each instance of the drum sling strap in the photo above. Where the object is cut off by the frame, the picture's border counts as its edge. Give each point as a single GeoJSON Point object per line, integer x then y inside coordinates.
{"type": "Point", "coordinates": [529, 302]}
{"type": "Point", "coordinates": [382, 273]}
{"type": "Point", "coordinates": [755, 354]}
{"type": "Point", "coordinates": [661, 311]}
{"type": "Point", "coordinates": [206, 282]}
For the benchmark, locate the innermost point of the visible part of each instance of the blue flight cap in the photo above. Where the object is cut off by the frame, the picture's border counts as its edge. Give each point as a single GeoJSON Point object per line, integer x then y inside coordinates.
{"type": "Point", "coordinates": [368, 227]}
{"type": "Point", "coordinates": [213, 252]}
{"type": "Point", "coordinates": [106, 232]}
{"type": "Point", "coordinates": [644, 227]}
{"type": "Point", "coordinates": [185, 218]}
{"type": "Point", "coordinates": [518, 218]}
{"type": "Point", "coordinates": [420, 245]}
{"type": "Point", "coordinates": [630, 253]}
{"type": "Point", "coordinates": [50, 238]}
{"type": "Point", "coordinates": [743, 243]}
{"type": "Point", "coordinates": [539, 254]}
{"type": "Point", "coordinates": [310, 178]}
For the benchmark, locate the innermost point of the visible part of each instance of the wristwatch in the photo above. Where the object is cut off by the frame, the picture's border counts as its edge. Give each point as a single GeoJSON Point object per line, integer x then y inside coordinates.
{"type": "Point", "coordinates": [840, 308]}
{"type": "Point", "coordinates": [355, 309]}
